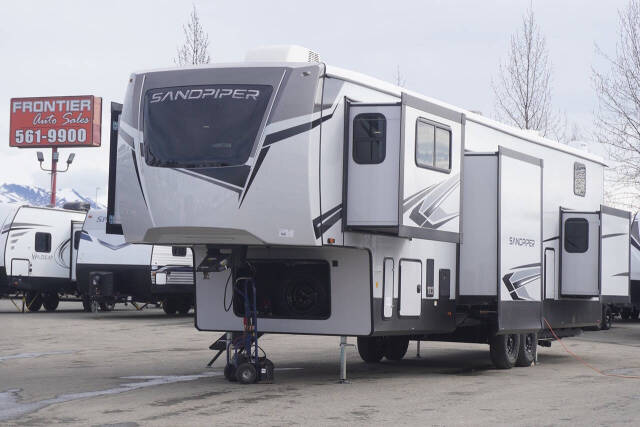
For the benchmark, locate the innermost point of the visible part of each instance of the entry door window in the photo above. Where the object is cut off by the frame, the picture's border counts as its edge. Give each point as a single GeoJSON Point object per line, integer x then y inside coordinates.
{"type": "Point", "coordinates": [576, 235]}
{"type": "Point", "coordinates": [369, 138]}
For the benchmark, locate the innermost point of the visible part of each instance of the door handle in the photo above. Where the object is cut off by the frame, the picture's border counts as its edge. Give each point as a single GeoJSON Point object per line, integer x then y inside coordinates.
{"type": "Point", "coordinates": [419, 289]}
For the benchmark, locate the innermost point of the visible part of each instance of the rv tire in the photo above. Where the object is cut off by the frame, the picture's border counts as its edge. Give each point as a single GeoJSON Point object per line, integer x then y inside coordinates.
{"type": "Point", "coordinates": [50, 301]}
{"type": "Point", "coordinates": [170, 305]}
{"type": "Point", "coordinates": [34, 301]}
{"type": "Point", "coordinates": [184, 305]}
{"type": "Point", "coordinates": [528, 349]}
{"type": "Point", "coordinates": [371, 349]}
{"type": "Point", "coordinates": [86, 304]}
{"type": "Point", "coordinates": [504, 350]}
{"type": "Point", "coordinates": [107, 306]}
{"type": "Point", "coordinates": [396, 347]}
{"type": "Point", "coordinates": [607, 316]}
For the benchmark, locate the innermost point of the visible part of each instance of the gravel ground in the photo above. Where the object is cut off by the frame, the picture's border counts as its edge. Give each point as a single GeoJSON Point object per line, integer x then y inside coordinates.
{"type": "Point", "coordinates": [133, 368]}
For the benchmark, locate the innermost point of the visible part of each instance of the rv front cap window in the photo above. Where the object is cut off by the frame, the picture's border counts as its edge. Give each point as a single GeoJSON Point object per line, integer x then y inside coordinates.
{"type": "Point", "coordinates": [433, 146]}
{"type": "Point", "coordinates": [43, 242]}
{"type": "Point", "coordinates": [203, 126]}
{"type": "Point", "coordinates": [576, 235]}
{"type": "Point", "coordinates": [579, 179]}
{"type": "Point", "coordinates": [178, 251]}
{"type": "Point", "coordinates": [369, 138]}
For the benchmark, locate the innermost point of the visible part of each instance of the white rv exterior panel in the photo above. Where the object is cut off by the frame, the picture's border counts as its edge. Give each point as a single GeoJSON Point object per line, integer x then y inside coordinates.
{"type": "Point", "coordinates": [21, 235]}
{"type": "Point", "coordinates": [615, 239]}
{"type": "Point", "coordinates": [388, 286]}
{"type": "Point", "coordinates": [479, 248]}
{"type": "Point", "coordinates": [7, 212]}
{"type": "Point", "coordinates": [350, 295]}
{"type": "Point", "coordinates": [410, 278]}
{"type": "Point", "coordinates": [520, 229]}
{"type": "Point", "coordinates": [372, 189]}
{"type": "Point", "coordinates": [580, 271]}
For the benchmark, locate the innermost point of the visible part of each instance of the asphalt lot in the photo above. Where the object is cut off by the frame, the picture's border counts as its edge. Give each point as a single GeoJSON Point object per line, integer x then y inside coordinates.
{"type": "Point", "coordinates": [133, 368]}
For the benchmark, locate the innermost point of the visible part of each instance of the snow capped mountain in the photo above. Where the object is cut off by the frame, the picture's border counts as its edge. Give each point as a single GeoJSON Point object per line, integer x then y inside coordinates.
{"type": "Point", "coordinates": [37, 196]}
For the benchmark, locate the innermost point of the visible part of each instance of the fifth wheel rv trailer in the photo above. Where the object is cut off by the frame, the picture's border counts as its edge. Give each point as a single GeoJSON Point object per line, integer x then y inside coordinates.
{"type": "Point", "coordinates": [38, 254]}
{"type": "Point", "coordinates": [351, 204]}
{"type": "Point", "coordinates": [110, 270]}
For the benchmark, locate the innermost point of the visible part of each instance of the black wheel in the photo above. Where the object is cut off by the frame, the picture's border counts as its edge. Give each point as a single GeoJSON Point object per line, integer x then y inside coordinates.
{"type": "Point", "coordinates": [170, 306]}
{"type": "Point", "coordinates": [246, 373]}
{"type": "Point", "coordinates": [626, 314]}
{"type": "Point", "coordinates": [371, 349]}
{"type": "Point", "coordinates": [184, 306]}
{"type": "Point", "coordinates": [528, 349]}
{"type": "Point", "coordinates": [266, 371]}
{"type": "Point", "coordinates": [86, 304]}
{"type": "Point", "coordinates": [303, 296]}
{"type": "Point", "coordinates": [504, 350]}
{"type": "Point", "coordinates": [396, 347]}
{"type": "Point", "coordinates": [34, 301]}
{"type": "Point", "coordinates": [607, 317]}
{"type": "Point", "coordinates": [107, 306]}
{"type": "Point", "coordinates": [230, 372]}
{"type": "Point", "coordinates": [50, 301]}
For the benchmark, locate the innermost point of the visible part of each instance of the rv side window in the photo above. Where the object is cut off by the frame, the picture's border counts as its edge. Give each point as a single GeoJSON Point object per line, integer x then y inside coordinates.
{"type": "Point", "coordinates": [579, 179]}
{"type": "Point", "coordinates": [76, 239]}
{"type": "Point", "coordinates": [178, 251]}
{"type": "Point", "coordinates": [433, 146]}
{"type": "Point", "coordinates": [43, 242]}
{"type": "Point", "coordinates": [576, 235]}
{"type": "Point", "coordinates": [369, 138]}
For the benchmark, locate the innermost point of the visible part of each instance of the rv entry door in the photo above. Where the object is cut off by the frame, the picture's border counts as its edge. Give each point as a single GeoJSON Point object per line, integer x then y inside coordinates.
{"type": "Point", "coordinates": [373, 161]}
{"type": "Point", "coordinates": [579, 254]}
{"type": "Point", "coordinates": [76, 233]}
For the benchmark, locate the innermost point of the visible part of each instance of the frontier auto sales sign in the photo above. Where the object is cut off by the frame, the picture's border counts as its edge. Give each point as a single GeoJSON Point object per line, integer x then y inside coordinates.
{"type": "Point", "coordinates": [63, 121]}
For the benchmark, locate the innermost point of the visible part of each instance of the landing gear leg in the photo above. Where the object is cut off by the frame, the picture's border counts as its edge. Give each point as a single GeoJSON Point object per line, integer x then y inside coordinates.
{"type": "Point", "coordinates": [343, 360]}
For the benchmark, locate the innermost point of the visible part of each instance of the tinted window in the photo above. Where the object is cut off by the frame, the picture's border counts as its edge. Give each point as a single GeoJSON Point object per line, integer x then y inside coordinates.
{"type": "Point", "coordinates": [579, 179]}
{"type": "Point", "coordinates": [43, 242]}
{"type": "Point", "coordinates": [576, 235]}
{"type": "Point", "coordinates": [178, 251]}
{"type": "Point", "coordinates": [433, 146]}
{"type": "Point", "coordinates": [369, 138]}
{"type": "Point", "coordinates": [425, 139]}
{"type": "Point", "coordinates": [203, 126]}
{"type": "Point", "coordinates": [443, 148]}
{"type": "Point", "coordinates": [76, 239]}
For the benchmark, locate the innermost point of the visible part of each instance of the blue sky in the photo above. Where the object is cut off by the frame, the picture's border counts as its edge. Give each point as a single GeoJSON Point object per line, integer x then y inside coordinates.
{"type": "Point", "coordinates": [448, 50]}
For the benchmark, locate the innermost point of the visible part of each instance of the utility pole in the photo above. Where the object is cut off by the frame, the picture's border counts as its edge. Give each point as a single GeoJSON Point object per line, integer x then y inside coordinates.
{"type": "Point", "coordinates": [54, 169]}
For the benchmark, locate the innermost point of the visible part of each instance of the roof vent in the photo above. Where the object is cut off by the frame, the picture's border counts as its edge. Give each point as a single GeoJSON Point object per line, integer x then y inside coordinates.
{"type": "Point", "coordinates": [282, 53]}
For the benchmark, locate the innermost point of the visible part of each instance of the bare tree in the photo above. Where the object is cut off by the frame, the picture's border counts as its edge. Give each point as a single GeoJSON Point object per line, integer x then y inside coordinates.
{"type": "Point", "coordinates": [523, 88]}
{"type": "Point", "coordinates": [400, 80]}
{"type": "Point", "coordinates": [194, 51]}
{"type": "Point", "coordinates": [618, 116]}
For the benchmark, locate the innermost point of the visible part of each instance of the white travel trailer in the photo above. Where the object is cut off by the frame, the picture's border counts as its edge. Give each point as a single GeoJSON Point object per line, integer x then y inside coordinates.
{"type": "Point", "coordinates": [7, 212]}
{"type": "Point", "coordinates": [119, 270]}
{"type": "Point", "coordinates": [37, 253]}
{"type": "Point", "coordinates": [359, 208]}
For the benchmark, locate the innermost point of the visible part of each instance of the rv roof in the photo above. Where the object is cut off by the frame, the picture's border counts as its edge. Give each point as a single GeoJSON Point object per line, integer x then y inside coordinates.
{"type": "Point", "coordinates": [394, 90]}
{"type": "Point", "coordinates": [391, 89]}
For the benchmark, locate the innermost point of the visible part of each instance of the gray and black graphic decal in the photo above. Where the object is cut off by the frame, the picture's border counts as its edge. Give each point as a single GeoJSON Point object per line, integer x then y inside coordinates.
{"type": "Point", "coordinates": [426, 205]}
{"type": "Point", "coordinates": [325, 221]}
{"type": "Point", "coordinates": [518, 278]}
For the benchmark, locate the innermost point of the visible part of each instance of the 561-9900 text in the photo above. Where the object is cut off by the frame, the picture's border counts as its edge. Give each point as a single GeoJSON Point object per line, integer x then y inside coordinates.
{"type": "Point", "coordinates": [30, 136]}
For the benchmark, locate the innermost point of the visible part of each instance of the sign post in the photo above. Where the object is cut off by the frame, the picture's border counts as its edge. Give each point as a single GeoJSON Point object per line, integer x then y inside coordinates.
{"type": "Point", "coordinates": [54, 122]}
